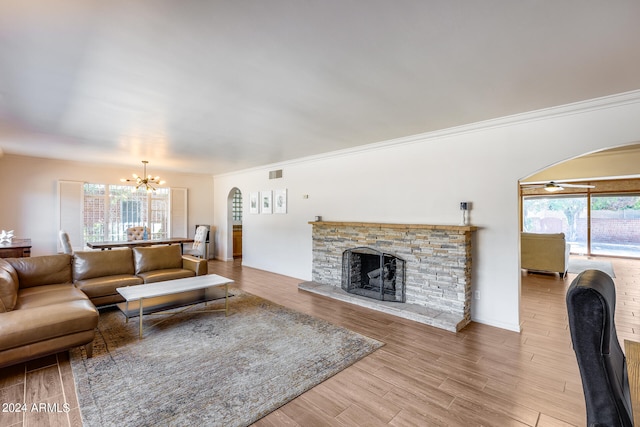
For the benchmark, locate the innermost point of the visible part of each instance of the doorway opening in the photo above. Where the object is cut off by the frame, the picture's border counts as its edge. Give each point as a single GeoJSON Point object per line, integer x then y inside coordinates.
{"type": "Point", "coordinates": [599, 215]}
{"type": "Point", "coordinates": [594, 223]}
{"type": "Point", "coordinates": [235, 206]}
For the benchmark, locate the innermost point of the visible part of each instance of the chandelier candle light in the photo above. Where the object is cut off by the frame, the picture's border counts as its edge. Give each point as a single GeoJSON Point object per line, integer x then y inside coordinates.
{"type": "Point", "coordinates": [145, 181]}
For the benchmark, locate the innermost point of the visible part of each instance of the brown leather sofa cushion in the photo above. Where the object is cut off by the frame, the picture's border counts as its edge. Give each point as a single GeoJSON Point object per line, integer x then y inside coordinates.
{"type": "Point", "coordinates": [157, 258]}
{"type": "Point", "coordinates": [42, 270]}
{"type": "Point", "coordinates": [43, 296]}
{"type": "Point", "coordinates": [88, 265]}
{"type": "Point", "coordinates": [25, 327]}
{"type": "Point", "coordinates": [103, 286]}
{"type": "Point", "coordinates": [166, 274]}
{"type": "Point", "coordinates": [8, 286]}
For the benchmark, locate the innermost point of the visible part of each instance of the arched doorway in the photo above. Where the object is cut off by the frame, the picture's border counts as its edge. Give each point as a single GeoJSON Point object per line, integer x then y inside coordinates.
{"type": "Point", "coordinates": [594, 200]}
{"type": "Point", "coordinates": [234, 216]}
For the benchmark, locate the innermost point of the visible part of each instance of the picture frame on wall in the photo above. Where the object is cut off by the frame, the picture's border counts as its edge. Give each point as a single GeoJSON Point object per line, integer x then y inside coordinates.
{"type": "Point", "coordinates": [254, 202]}
{"type": "Point", "coordinates": [280, 201]}
{"type": "Point", "coordinates": [266, 202]}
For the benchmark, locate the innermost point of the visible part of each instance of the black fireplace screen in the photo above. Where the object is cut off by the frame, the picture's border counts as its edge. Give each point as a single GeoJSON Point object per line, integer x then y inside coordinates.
{"type": "Point", "coordinates": [374, 274]}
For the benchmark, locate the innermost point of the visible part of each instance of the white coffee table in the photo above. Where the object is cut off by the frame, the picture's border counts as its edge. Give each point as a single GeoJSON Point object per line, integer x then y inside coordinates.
{"type": "Point", "coordinates": [140, 293]}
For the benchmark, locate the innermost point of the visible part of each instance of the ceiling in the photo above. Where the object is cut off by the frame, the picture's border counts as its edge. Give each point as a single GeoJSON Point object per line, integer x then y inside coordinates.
{"type": "Point", "coordinates": [218, 86]}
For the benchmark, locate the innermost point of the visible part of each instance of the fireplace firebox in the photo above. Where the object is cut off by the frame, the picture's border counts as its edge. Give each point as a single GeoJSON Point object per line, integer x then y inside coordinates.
{"type": "Point", "coordinates": [374, 274]}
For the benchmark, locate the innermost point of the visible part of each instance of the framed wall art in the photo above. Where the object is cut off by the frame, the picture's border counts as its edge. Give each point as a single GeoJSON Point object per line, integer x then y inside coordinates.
{"type": "Point", "coordinates": [254, 202]}
{"type": "Point", "coordinates": [280, 201]}
{"type": "Point", "coordinates": [266, 202]}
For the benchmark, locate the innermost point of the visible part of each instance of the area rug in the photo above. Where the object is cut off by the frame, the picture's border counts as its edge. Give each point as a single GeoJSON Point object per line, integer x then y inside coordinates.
{"type": "Point", "coordinates": [578, 265]}
{"type": "Point", "coordinates": [208, 369]}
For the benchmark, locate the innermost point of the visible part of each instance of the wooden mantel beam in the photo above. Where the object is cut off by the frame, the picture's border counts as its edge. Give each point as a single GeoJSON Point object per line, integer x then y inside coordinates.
{"type": "Point", "coordinates": [463, 228]}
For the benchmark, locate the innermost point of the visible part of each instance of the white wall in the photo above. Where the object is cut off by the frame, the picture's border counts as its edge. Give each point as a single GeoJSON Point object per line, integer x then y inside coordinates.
{"type": "Point", "coordinates": [28, 190]}
{"type": "Point", "coordinates": [422, 180]}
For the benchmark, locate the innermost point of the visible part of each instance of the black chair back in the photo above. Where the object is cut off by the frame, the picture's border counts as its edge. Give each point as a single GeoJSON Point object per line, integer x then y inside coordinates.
{"type": "Point", "coordinates": [591, 305]}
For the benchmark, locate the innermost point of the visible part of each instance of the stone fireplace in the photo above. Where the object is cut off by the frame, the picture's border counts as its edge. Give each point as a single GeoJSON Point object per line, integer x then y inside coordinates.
{"type": "Point", "coordinates": [437, 267]}
{"type": "Point", "coordinates": [373, 274]}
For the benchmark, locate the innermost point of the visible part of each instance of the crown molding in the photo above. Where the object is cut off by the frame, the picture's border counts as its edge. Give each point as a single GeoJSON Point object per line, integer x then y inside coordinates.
{"type": "Point", "coordinates": [580, 107]}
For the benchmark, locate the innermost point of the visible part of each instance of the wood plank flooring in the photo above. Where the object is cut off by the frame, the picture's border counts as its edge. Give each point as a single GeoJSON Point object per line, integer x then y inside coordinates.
{"type": "Point", "coordinates": [423, 376]}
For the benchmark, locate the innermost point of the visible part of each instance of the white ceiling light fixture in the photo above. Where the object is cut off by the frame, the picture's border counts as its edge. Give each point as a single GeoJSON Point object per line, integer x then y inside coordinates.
{"type": "Point", "coordinates": [145, 181]}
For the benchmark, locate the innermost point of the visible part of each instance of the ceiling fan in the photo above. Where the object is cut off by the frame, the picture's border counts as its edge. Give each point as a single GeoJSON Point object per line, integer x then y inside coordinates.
{"type": "Point", "coordinates": [553, 187]}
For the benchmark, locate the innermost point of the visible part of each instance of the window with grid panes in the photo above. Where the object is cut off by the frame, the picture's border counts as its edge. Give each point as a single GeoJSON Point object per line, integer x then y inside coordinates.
{"type": "Point", "coordinates": [110, 209]}
{"type": "Point", "coordinates": [94, 213]}
{"type": "Point", "coordinates": [159, 209]}
{"type": "Point", "coordinates": [236, 206]}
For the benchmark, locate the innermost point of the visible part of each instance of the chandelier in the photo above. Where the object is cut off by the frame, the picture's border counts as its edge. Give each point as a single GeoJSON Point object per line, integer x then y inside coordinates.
{"type": "Point", "coordinates": [145, 181]}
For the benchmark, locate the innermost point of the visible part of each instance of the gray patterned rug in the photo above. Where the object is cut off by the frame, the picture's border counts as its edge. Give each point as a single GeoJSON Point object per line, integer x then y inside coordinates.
{"type": "Point", "coordinates": [578, 265]}
{"type": "Point", "coordinates": [208, 369]}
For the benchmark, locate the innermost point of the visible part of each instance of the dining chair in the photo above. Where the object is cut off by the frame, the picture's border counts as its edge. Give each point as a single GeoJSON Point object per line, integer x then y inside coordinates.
{"type": "Point", "coordinates": [199, 248]}
{"type": "Point", "coordinates": [65, 242]}
{"type": "Point", "coordinates": [138, 233]}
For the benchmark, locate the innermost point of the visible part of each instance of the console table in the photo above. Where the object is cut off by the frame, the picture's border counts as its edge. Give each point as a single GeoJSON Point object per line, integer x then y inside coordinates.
{"type": "Point", "coordinates": [18, 248]}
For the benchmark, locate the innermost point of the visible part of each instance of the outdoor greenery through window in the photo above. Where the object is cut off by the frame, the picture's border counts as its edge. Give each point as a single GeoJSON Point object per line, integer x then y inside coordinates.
{"type": "Point", "coordinates": [110, 209]}
{"type": "Point", "coordinates": [608, 225]}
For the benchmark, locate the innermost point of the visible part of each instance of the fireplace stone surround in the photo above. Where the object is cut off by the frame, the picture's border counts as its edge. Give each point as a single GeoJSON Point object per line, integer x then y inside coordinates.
{"type": "Point", "coordinates": [438, 267]}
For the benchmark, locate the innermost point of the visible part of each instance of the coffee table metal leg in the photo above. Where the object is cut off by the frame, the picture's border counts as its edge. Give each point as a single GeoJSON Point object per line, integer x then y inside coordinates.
{"type": "Point", "coordinates": [140, 318]}
{"type": "Point", "coordinates": [226, 299]}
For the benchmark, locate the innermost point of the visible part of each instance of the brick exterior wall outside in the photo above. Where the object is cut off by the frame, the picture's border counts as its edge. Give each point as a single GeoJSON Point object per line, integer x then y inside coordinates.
{"type": "Point", "coordinates": [438, 259]}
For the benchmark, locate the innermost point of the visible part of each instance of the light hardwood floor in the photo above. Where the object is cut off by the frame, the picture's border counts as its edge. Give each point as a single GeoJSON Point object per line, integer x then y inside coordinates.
{"type": "Point", "coordinates": [423, 376]}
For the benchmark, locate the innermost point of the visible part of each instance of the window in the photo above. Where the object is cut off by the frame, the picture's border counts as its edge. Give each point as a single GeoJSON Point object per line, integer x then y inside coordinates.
{"type": "Point", "coordinates": [615, 225]}
{"type": "Point", "coordinates": [236, 207]}
{"type": "Point", "coordinates": [558, 214]}
{"type": "Point", "coordinates": [594, 224]}
{"type": "Point", "coordinates": [159, 213]}
{"type": "Point", "coordinates": [95, 213]}
{"type": "Point", "coordinates": [110, 209]}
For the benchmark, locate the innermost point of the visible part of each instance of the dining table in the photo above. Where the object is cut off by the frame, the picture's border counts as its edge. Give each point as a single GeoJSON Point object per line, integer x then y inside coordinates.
{"type": "Point", "coordinates": [134, 243]}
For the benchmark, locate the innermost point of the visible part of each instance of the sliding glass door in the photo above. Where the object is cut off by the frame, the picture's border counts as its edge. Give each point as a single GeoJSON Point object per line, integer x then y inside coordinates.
{"type": "Point", "coordinates": [558, 214]}
{"type": "Point", "coordinates": [595, 224]}
{"type": "Point", "coordinates": [615, 225]}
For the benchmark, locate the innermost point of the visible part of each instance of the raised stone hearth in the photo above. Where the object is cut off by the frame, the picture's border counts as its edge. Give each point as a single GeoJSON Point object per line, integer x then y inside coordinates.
{"type": "Point", "coordinates": [437, 273]}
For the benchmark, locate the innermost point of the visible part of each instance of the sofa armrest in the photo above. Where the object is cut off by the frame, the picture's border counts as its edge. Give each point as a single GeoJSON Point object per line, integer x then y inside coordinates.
{"type": "Point", "coordinates": [197, 265]}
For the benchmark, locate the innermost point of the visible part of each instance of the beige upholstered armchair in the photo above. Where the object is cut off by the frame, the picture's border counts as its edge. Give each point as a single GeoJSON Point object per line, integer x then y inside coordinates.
{"type": "Point", "coordinates": [544, 252]}
{"type": "Point", "coordinates": [137, 233]}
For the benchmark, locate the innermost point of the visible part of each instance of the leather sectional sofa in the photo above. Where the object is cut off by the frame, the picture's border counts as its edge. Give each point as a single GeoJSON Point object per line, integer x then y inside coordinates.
{"type": "Point", "coordinates": [41, 312]}
{"type": "Point", "coordinates": [48, 303]}
{"type": "Point", "coordinates": [98, 274]}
